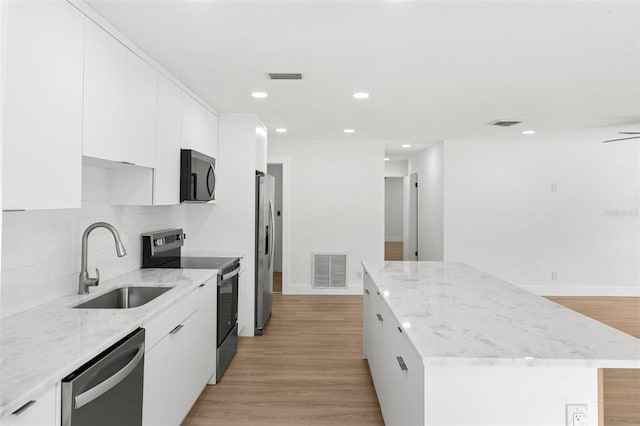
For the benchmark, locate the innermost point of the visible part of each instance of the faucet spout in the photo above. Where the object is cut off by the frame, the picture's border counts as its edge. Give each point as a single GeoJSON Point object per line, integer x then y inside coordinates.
{"type": "Point", "coordinates": [85, 281]}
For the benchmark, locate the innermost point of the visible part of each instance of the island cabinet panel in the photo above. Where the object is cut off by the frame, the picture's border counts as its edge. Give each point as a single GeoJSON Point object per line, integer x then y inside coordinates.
{"type": "Point", "coordinates": [42, 163]}
{"type": "Point", "coordinates": [396, 368]}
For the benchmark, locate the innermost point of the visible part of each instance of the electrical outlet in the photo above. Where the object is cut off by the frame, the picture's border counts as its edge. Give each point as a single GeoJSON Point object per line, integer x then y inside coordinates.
{"type": "Point", "coordinates": [577, 414]}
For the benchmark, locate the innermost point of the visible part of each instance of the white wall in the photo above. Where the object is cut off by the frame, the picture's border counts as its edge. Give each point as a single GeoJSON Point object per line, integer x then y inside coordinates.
{"type": "Point", "coordinates": [393, 189]}
{"type": "Point", "coordinates": [41, 249]}
{"type": "Point", "coordinates": [3, 63]}
{"type": "Point", "coordinates": [503, 217]}
{"type": "Point", "coordinates": [396, 168]}
{"type": "Point", "coordinates": [229, 225]}
{"type": "Point", "coordinates": [336, 205]}
{"type": "Point", "coordinates": [429, 166]}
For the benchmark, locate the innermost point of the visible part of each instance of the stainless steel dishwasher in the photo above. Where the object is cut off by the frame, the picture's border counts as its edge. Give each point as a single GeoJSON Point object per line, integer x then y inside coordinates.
{"type": "Point", "coordinates": [107, 390]}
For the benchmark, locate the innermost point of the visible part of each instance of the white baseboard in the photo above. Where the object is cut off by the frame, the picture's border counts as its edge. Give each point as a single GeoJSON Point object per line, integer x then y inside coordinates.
{"type": "Point", "coordinates": [574, 290]}
{"type": "Point", "coordinates": [299, 289]}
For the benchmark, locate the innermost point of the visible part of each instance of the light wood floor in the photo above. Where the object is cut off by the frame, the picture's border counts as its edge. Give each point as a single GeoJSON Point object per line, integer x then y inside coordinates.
{"type": "Point", "coordinates": [277, 282]}
{"type": "Point", "coordinates": [621, 387]}
{"type": "Point", "coordinates": [307, 369]}
{"type": "Point", "coordinates": [393, 250]}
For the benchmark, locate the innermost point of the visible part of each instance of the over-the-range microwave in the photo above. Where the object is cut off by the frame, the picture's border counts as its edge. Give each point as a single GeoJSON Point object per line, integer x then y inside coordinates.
{"type": "Point", "coordinates": [197, 176]}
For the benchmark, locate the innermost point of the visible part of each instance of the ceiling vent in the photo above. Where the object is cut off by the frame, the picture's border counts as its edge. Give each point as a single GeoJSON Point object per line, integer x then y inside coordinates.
{"type": "Point", "coordinates": [505, 123]}
{"type": "Point", "coordinates": [284, 76]}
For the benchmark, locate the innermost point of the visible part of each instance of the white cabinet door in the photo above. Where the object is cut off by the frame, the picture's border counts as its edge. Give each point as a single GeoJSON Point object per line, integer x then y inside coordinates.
{"type": "Point", "coordinates": [166, 188]}
{"type": "Point", "coordinates": [140, 112]}
{"type": "Point", "coordinates": [171, 377]}
{"type": "Point", "coordinates": [41, 412]}
{"type": "Point", "coordinates": [105, 80]}
{"type": "Point", "coordinates": [43, 127]}
{"type": "Point", "coordinates": [199, 127]}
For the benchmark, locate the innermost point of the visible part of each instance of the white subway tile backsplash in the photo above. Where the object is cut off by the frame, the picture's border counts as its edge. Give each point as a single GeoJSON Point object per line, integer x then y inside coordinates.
{"type": "Point", "coordinates": [41, 248]}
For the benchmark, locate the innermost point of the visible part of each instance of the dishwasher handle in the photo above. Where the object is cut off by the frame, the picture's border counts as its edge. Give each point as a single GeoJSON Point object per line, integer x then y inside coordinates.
{"type": "Point", "coordinates": [108, 384]}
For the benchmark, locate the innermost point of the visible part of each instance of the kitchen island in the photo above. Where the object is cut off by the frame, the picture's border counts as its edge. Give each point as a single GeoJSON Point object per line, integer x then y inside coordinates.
{"type": "Point", "coordinates": [448, 344]}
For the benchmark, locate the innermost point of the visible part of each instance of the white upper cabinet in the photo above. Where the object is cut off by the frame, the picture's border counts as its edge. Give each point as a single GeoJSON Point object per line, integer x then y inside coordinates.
{"type": "Point", "coordinates": [105, 82]}
{"type": "Point", "coordinates": [140, 112]}
{"type": "Point", "coordinates": [166, 186]}
{"type": "Point", "coordinates": [43, 122]}
{"type": "Point", "coordinates": [199, 129]}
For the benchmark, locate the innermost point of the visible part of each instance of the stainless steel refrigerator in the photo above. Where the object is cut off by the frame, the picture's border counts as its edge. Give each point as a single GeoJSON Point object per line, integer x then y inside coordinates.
{"type": "Point", "coordinates": [265, 246]}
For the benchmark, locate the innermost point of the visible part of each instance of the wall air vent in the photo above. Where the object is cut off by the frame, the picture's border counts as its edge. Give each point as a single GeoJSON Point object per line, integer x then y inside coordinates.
{"type": "Point", "coordinates": [505, 123]}
{"type": "Point", "coordinates": [329, 270]}
{"type": "Point", "coordinates": [284, 76]}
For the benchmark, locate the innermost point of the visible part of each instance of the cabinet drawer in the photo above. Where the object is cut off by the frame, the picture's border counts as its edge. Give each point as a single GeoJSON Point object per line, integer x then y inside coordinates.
{"type": "Point", "coordinates": [38, 413]}
{"type": "Point", "coordinates": [163, 323]}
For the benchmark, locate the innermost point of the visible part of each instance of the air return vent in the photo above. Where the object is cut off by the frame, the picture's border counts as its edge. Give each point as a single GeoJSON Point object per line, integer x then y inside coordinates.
{"type": "Point", "coordinates": [329, 270]}
{"type": "Point", "coordinates": [505, 123]}
{"type": "Point", "coordinates": [284, 76]}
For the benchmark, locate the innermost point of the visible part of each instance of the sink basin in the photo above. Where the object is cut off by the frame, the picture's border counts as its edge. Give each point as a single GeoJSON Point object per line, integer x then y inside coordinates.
{"type": "Point", "coordinates": [124, 298]}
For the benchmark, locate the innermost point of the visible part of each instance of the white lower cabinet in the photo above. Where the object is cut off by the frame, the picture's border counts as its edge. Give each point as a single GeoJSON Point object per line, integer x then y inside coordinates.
{"type": "Point", "coordinates": [42, 411]}
{"type": "Point", "coordinates": [396, 368]}
{"type": "Point", "coordinates": [180, 357]}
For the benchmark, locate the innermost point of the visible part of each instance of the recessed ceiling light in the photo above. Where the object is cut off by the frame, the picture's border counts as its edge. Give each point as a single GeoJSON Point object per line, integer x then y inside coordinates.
{"type": "Point", "coordinates": [361, 95]}
{"type": "Point", "coordinates": [259, 95]}
{"type": "Point", "coordinates": [406, 145]}
{"type": "Point", "coordinates": [386, 159]}
{"type": "Point", "coordinates": [281, 130]}
{"type": "Point", "coordinates": [528, 132]}
{"type": "Point", "coordinates": [349, 131]}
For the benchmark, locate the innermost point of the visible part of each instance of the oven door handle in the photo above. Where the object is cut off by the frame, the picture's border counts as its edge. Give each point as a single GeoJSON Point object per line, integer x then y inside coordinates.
{"type": "Point", "coordinates": [230, 274]}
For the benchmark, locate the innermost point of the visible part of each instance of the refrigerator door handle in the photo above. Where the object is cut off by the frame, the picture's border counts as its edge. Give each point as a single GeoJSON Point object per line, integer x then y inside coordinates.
{"type": "Point", "coordinates": [272, 226]}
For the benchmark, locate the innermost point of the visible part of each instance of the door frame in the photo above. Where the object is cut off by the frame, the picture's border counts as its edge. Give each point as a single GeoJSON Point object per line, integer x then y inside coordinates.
{"type": "Point", "coordinates": [286, 212]}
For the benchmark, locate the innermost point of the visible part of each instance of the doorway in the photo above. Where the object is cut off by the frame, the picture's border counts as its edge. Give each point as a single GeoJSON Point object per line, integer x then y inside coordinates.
{"type": "Point", "coordinates": [410, 219]}
{"type": "Point", "coordinates": [276, 170]}
{"type": "Point", "coordinates": [393, 218]}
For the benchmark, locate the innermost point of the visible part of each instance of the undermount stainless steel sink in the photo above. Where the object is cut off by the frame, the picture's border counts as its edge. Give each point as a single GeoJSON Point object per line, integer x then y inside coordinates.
{"type": "Point", "coordinates": [124, 298]}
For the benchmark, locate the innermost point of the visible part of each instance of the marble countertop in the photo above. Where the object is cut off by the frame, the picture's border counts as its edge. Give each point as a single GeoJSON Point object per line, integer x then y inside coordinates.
{"type": "Point", "coordinates": [456, 315]}
{"type": "Point", "coordinates": [42, 345]}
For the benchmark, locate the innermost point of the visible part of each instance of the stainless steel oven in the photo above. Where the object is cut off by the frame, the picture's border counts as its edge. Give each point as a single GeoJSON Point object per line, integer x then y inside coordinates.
{"type": "Point", "coordinates": [162, 249]}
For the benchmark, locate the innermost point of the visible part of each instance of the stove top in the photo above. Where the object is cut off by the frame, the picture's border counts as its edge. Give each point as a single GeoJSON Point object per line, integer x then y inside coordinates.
{"type": "Point", "coordinates": [220, 263]}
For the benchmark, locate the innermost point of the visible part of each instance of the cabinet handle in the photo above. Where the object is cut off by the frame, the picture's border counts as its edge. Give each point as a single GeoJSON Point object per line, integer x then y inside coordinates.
{"type": "Point", "coordinates": [403, 366]}
{"type": "Point", "coordinates": [380, 318]}
{"type": "Point", "coordinates": [127, 163]}
{"type": "Point", "coordinates": [202, 285]}
{"type": "Point", "coordinates": [24, 407]}
{"type": "Point", "coordinates": [176, 329]}
{"type": "Point", "coordinates": [400, 330]}
{"type": "Point", "coordinates": [366, 291]}
{"type": "Point", "coordinates": [377, 292]}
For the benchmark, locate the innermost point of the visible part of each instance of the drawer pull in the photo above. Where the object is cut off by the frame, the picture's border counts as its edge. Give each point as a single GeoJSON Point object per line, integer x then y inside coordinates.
{"type": "Point", "coordinates": [403, 366]}
{"type": "Point", "coordinates": [23, 408]}
{"type": "Point", "coordinates": [202, 285]}
{"type": "Point", "coordinates": [176, 329]}
{"type": "Point", "coordinates": [377, 292]}
{"type": "Point", "coordinates": [366, 291]}
{"type": "Point", "coordinates": [400, 330]}
{"type": "Point", "coordinates": [380, 318]}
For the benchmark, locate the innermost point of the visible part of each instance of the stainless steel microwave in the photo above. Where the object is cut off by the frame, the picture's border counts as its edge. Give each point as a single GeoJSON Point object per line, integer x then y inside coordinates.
{"type": "Point", "coordinates": [197, 176]}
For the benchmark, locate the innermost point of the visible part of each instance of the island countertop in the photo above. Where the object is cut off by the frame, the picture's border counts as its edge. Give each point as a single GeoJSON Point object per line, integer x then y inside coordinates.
{"type": "Point", "coordinates": [42, 345]}
{"type": "Point", "coordinates": [456, 315]}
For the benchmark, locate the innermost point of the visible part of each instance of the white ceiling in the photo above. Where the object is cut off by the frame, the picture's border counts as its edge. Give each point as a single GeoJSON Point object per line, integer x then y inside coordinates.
{"type": "Point", "coordinates": [435, 70]}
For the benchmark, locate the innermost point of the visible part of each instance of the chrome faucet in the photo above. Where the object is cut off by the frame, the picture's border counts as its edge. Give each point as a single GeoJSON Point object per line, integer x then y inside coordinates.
{"type": "Point", "coordinates": [85, 281]}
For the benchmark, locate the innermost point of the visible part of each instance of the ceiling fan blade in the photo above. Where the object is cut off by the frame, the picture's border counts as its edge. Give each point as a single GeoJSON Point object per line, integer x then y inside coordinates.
{"type": "Point", "coordinates": [621, 139]}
